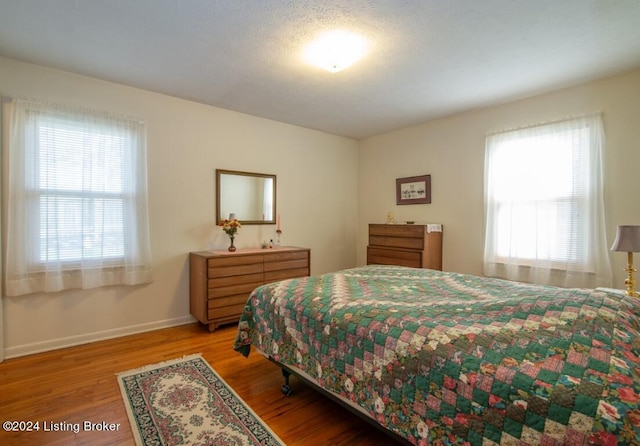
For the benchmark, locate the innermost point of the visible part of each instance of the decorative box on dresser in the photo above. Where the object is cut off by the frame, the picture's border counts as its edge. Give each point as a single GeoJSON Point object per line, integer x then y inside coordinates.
{"type": "Point", "coordinates": [417, 246]}
{"type": "Point", "coordinates": [221, 281]}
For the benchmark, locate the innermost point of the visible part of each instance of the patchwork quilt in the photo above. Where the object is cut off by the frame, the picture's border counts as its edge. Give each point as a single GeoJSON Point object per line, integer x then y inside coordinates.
{"type": "Point", "coordinates": [451, 359]}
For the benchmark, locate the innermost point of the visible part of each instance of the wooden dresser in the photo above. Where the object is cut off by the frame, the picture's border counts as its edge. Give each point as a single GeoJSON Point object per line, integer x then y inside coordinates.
{"type": "Point", "coordinates": [220, 281]}
{"type": "Point", "coordinates": [418, 246]}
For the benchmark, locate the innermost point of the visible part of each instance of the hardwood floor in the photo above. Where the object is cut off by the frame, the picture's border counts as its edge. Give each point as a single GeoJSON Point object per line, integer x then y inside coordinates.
{"type": "Point", "coordinates": [78, 384]}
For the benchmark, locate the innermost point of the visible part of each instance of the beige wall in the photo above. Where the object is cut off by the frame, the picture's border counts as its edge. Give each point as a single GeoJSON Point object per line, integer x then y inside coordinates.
{"type": "Point", "coordinates": [316, 197]}
{"type": "Point", "coordinates": [452, 151]}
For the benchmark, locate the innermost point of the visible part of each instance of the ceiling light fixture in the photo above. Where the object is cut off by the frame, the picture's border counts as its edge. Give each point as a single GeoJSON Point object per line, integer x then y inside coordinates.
{"type": "Point", "coordinates": [336, 50]}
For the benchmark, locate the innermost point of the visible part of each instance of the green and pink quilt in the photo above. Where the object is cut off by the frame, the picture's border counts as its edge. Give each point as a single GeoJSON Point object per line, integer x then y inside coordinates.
{"type": "Point", "coordinates": [451, 359]}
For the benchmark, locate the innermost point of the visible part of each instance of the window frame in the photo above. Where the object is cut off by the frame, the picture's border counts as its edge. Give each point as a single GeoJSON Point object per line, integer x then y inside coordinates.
{"type": "Point", "coordinates": [580, 257]}
{"type": "Point", "coordinates": [35, 263]}
{"type": "Point", "coordinates": [39, 191]}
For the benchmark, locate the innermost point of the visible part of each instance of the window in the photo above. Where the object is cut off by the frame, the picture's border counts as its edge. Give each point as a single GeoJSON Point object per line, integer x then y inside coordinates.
{"type": "Point", "coordinates": [77, 205]}
{"type": "Point", "coordinates": [544, 207]}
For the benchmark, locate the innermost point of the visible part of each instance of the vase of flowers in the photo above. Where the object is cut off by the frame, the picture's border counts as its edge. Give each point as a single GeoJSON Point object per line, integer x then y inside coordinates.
{"type": "Point", "coordinates": [230, 227]}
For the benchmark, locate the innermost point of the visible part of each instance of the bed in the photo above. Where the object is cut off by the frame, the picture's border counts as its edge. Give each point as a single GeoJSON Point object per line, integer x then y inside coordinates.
{"type": "Point", "coordinates": [441, 358]}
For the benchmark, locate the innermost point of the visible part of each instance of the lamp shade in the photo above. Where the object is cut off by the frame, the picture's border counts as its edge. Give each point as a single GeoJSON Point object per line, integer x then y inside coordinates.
{"type": "Point", "coordinates": [627, 239]}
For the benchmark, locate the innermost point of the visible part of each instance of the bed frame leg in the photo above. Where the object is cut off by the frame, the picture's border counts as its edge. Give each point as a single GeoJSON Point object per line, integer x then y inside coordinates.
{"type": "Point", "coordinates": [286, 388]}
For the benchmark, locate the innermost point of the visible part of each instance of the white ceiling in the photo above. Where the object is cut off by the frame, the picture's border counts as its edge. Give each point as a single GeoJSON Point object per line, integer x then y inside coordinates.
{"type": "Point", "coordinates": [428, 58]}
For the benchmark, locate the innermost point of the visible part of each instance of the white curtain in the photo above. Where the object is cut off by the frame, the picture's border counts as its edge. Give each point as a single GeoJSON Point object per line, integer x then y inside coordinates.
{"type": "Point", "coordinates": [76, 199]}
{"type": "Point", "coordinates": [545, 218]}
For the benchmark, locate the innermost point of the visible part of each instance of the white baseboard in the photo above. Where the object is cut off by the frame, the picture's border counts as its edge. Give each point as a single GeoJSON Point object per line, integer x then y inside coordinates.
{"type": "Point", "coordinates": [54, 344]}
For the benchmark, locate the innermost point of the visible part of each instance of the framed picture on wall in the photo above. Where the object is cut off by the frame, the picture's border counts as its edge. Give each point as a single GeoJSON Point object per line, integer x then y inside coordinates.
{"type": "Point", "coordinates": [413, 190]}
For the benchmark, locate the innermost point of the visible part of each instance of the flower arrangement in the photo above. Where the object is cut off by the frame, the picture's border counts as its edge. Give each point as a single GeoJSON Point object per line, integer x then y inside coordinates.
{"type": "Point", "coordinates": [230, 227]}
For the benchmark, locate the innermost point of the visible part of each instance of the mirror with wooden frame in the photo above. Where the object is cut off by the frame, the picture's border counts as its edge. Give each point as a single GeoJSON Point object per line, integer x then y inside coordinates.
{"type": "Point", "coordinates": [250, 196]}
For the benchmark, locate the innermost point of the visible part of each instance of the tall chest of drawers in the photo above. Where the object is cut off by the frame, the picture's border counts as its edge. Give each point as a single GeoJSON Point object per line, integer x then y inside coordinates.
{"type": "Point", "coordinates": [220, 281]}
{"type": "Point", "coordinates": [417, 246]}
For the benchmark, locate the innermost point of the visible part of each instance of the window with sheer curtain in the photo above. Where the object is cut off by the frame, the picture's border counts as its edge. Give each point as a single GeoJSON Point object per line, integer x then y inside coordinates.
{"type": "Point", "coordinates": [544, 205]}
{"type": "Point", "coordinates": [76, 199]}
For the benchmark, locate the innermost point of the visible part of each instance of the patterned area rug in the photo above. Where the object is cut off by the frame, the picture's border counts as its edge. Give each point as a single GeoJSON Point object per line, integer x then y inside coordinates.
{"type": "Point", "coordinates": [184, 401]}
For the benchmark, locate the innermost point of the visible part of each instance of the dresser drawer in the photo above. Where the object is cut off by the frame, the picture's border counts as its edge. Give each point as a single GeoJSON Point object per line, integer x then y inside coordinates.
{"type": "Point", "coordinates": [231, 260]}
{"type": "Point", "coordinates": [396, 242]}
{"type": "Point", "coordinates": [274, 276]}
{"type": "Point", "coordinates": [235, 299]}
{"type": "Point", "coordinates": [382, 256]}
{"type": "Point", "coordinates": [223, 312]}
{"type": "Point", "coordinates": [397, 230]}
{"type": "Point", "coordinates": [224, 291]}
{"type": "Point", "coordinates": [225, 281]}
{"type": "Point", "coordinates": [235, 270]}
{"type": "Point", "coordinates": [285, 264]}
{"type": "Point", "coordinates": [276, 256]}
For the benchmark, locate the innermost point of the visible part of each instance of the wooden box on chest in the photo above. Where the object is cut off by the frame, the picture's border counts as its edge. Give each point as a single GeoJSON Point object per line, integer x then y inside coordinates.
{"type": "Point", "coordinates": [417, 246]}
{"type": "Point", "coordinates": [221, 281]}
